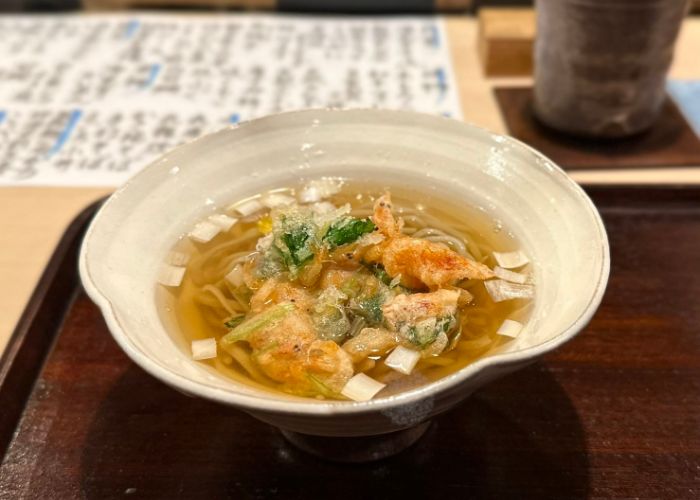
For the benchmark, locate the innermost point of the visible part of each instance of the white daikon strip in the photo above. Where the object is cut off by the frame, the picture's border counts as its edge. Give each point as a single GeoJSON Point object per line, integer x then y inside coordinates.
{"type": "Point", "coordinates": [402, 360]}
{"type": "Point", "coordinates": [501, 290]}
{"type": "Point", "coordinates": [319, 189]}
{"type": "Point", "coordinates": [204, 349]}
{"type": "Point", "coordinates": [171, 275]}
{"type": "Point", "coordinates": [204, 231]}
{"type": "Point", "coordinates": [510, 328]}
{"type": "Point", "coordinates": [223, 221]}
{"type": "Point", "coordinates": [274, 200]}
{"type": "Point", "coordinates": [511, 276]}
{"type": "Point", "coordinates": [362, 388]}
{"type": "Point", "coordinates": [511, 260]}
{"type": "Point", "coordinates": [247, 208]}
{"type": "Point", "coordinates": [177, 258]}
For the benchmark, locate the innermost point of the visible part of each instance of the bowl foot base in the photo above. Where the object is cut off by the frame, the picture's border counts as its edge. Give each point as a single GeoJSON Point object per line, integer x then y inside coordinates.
{"type": "Point", "coordinates": [358, 448]}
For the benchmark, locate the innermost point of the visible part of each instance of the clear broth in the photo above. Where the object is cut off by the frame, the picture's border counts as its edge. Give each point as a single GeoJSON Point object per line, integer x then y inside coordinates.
{"type": "Point", "coordinates": [200, 317]}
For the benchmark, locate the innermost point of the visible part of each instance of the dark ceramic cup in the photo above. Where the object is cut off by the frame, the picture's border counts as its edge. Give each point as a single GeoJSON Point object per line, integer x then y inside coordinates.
{"type": "Point", "coordinates": [600, 65]}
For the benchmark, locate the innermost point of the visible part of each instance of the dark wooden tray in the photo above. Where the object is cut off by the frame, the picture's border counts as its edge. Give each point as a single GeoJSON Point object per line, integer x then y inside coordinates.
{"type": "Point", "coordinates": [614, 413]}
{"type": "Point", "coordinates": [671, 141]}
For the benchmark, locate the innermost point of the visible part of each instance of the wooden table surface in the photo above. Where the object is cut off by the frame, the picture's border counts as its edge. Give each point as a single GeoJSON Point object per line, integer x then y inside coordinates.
{"type": "Point", "coordinates": [33, 219]}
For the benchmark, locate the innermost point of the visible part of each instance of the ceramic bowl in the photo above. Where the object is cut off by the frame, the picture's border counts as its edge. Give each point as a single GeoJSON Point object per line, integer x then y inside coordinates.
{"type": "Point", "coordinates": [556, 223]}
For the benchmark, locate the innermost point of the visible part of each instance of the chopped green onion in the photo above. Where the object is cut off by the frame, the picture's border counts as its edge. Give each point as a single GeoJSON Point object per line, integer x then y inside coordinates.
{"type": "Point", "coordinates": [234, 322]}
{"type": "Point", "coordinates": [322, 388]}
{"type": "Point", "coordinates": [257, 322]}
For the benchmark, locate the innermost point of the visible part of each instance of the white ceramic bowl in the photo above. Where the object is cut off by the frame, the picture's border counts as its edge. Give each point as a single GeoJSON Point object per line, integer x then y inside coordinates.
{"type": "Point", "coordinates": [556, 222]}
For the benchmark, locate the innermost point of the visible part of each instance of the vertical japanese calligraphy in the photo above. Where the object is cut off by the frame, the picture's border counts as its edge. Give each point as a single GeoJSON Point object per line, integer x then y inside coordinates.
{"type": "Point", "coordinates": [88, 100]}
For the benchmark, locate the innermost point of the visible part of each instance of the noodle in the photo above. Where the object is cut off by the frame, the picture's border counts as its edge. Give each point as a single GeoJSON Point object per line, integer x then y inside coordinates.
{"type": "Point", "coordinates": [245, 378]}
{"type": "Point", "coordinates": [220, 297]}
{"type": "Point", "coordinates": [240, 300]}
{"type": "Point", "coordinates": [243, 359]}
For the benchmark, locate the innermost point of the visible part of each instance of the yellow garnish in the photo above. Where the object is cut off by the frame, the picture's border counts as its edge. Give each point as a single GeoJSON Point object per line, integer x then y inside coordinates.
{"type": "Point", "coordinates": [265, 225]}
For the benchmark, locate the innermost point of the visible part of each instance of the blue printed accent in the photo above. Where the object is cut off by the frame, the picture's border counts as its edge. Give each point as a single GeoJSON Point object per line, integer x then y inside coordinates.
{"type": "Point", "coordinates": [686, 93]}
{"type": "Point", "coordinates": [152, 75]}
{"type": "Point", "coordinates": [234, 118]}
{"type": "Point", "coordinates": [131, 28]}
{"type": "Point", "coordinates": [435, 36]}
{"type": "Point", "coordinates": [447, 114]}
{"type": "Point", "coordinates": [66, 132]}
{"type": "Point", "coordinates": [3, 115]}
{"type": "Point", "coordinates": [442, 82]}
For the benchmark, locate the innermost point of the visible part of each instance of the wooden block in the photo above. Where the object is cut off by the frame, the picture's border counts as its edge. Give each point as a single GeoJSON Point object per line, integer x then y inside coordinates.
{"type": "Point", "coordinates": [506, 39]}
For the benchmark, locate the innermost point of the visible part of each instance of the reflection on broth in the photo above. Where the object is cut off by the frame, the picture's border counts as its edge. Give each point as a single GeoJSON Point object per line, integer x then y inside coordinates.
{"type": "Point", "coordinates": [341, 290]}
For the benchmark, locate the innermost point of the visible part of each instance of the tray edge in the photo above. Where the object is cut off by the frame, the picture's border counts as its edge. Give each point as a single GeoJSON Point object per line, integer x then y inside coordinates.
{"type": "Point", "coordinates": [24, 355]}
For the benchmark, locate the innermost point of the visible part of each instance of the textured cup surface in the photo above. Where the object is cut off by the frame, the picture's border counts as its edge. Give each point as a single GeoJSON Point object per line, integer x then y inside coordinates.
{"type": "Point", "coordinates": [556, 223]}
{"type": "Point", "coordinates": [600, 67]}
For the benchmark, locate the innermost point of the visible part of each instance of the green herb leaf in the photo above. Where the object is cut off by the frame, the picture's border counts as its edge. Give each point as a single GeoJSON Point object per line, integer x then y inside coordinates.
{"type": "Point", "coordinates": [295, 238]}
{"type": "Point", "coordinates": [370, 308]}
{"type": "Point", "coordinates": [424, 333]}
{"type": "Point", "coordinates": [347, 230]}
{"type": "Point", "coordinates": [422, 337]}
{"type": "Point", "coordinates": [298, 245]}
